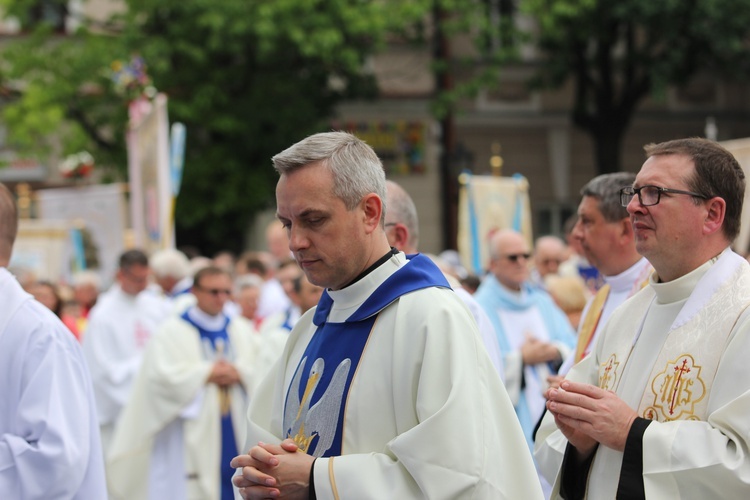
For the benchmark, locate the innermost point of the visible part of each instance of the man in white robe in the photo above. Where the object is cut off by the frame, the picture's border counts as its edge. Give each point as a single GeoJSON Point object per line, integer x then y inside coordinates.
{"type": "Point", "coordinates": [534, 335]}
{"type": "Point", "coordinates": [385, 385]}
{"type": "Point", "coordinates": [49, 437]}
{"type": "Point", "coordinates": [184, 420]}
{"type": "Point", "coordinates": [607, 240]}
{"type": "Point", "coordinates": [659, 407]}
{"type": "Point", "coordinates": [119, 327]}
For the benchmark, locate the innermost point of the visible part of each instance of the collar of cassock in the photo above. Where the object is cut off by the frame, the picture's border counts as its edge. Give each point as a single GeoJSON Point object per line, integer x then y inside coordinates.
{"type": "Point", "coordinates": [418, 272]}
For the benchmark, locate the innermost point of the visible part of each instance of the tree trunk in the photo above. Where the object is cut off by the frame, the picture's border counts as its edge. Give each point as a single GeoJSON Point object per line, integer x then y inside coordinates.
{"type": "Point", "coordinates": [607, 141]}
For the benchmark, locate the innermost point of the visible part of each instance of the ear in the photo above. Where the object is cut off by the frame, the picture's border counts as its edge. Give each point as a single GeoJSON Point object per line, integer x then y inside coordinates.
{"type": "Point", "coordinates": [716, 209]}
{"type": "Point", "coordinates": [372, 210]}
{"type": "Point", "coordinates": [626, 228]}
{"type": "Point", "coordinates": [401, 235]}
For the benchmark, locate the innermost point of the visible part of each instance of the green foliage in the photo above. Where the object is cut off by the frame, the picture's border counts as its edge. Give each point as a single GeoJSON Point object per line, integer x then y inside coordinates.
{"type": "Point", "coordinates": [247, 78]}
{"type": "Point", "coordinates": [617, 53]}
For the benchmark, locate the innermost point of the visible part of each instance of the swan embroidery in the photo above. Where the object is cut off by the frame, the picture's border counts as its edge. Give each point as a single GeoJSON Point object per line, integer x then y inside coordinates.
{"type": "Point", "coordinates": [304, 421]}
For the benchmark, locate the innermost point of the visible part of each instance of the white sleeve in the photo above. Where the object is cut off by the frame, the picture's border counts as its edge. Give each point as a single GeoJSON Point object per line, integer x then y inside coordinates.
{"type": "Point", "coordinates": [49, 446]}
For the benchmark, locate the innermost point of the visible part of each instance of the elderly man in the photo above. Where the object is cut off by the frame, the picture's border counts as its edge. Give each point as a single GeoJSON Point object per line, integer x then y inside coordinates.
{"type": "Point", "coordinates": [549, 252]}
{"type": "Point", "coordinates": [50, 438]}
{"type": "Point", "coordinates": [380, 385]}
{"type": "Point", "coordinates": [659, 407]}
{"type": "Point", "coordinates": [534, 334]}
{"type": "Point", "coordinates": [185, 418]}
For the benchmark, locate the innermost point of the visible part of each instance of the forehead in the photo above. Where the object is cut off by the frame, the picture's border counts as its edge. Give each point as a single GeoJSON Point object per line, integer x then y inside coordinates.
{"type": "Point", "coordinates": [589, 207]}
{"type": "Point", "coordinates": [216, 280]}
{"type": "Point", "coordinates": [137, 269]}
{"type": "Point", "coordinates": [250, 291]}
{"type": "Point", "coordinates": [666, 171]}
{"type": "Point", "coordinates": [305, 190]}
{"type": "Point", "coordinates": [512, 243]}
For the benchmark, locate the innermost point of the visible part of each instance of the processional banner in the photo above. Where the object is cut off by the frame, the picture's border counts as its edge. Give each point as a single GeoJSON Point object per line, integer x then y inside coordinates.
{"type": "Point", "coordinates": [101, 209]}
{"type": "Point", "coordinates": [487, 204]}
{"type": "Point", "coordinates": [148, 169]}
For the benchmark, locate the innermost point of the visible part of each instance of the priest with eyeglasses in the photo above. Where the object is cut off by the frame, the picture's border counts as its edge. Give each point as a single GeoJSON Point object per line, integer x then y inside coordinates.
{"type": "Point", "coordinates": [659, 409]}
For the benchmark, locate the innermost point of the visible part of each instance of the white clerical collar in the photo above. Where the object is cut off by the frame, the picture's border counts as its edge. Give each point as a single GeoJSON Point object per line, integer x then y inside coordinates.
{"type": "Point", "coordinates": [637, 273]}
{"type": "Point", "coordinates": [347, 300]}
{"type": "Point", "coordinates": [680, 288]}
{"type": "Point", "coordinates": [205, 320]}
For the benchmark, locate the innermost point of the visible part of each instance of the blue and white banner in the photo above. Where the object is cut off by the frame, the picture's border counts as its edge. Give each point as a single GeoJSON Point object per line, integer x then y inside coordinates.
{"type": "Point", "coordinates": [486, 205]}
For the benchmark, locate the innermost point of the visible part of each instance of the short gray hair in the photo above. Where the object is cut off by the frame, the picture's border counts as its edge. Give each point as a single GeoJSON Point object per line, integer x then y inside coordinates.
{"type": "Point", "coordinates": [357, 170]}
{"type": "Point", "coordinates": [606, 189]}
{"type": "Point", "coordinates": [402, 209]}
{"type": "Point", "coordinates": [170, 263]}
{"type": "Point", "coordinates": [248, 281]}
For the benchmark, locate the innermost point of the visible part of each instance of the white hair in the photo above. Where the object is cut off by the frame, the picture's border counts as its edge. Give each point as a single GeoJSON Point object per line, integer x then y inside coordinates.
{"type": "Point", "coordinates": [170, 263]}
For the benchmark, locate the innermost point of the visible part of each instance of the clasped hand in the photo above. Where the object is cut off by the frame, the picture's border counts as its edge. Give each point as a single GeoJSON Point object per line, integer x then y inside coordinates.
{"type": "Point", "coordinates": [587, 415]}
{"type": "Point", "coordinates": [273, 471]}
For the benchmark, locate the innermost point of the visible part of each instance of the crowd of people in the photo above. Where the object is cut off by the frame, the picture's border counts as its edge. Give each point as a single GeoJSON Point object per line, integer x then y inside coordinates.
{"type": "Point", "coordinates": [340, 362]}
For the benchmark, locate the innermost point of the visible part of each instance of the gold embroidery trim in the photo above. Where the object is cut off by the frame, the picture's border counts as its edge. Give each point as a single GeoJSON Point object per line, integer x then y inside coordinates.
{"type": "Point", "coordinates": [334, 490]}
{"type": "Point", "coordinates": [591, 321]}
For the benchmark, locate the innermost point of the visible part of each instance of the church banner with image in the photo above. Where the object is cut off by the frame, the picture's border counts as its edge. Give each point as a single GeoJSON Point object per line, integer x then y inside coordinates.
{"type": "Point", "coordinates": [101, 209]}
{"type": "Point", "coordinates": [487, 204]}
{"type": "Point", "coordinates": [148, 169]}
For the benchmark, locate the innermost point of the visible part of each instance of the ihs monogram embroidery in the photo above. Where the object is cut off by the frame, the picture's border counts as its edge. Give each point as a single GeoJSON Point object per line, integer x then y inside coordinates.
{"type": "Point", "coordinates": [676, 391]}
{"type": "Point", "coordinates": [608, 374]}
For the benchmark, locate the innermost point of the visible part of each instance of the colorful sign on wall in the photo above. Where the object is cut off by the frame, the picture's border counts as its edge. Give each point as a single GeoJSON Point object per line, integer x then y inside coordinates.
{"type": "Point", "coordinates": [399, 144]}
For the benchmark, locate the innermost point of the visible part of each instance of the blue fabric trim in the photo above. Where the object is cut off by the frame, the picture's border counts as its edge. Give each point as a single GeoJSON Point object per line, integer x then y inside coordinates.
{"type": "Point", "coordinates": [519, 205]}
{"type": "Point", "coordinates": [228, 439]}
{"type": "Point", "coordinates": [476, 260]}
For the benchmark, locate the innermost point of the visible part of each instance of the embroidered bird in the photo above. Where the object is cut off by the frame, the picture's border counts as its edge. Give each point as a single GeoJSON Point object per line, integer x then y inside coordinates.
{"type": "Point", "coordinates": [303, 422]}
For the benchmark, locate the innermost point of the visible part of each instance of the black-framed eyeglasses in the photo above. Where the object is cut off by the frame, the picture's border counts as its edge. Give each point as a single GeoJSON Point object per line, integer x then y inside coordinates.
{"type": "Point", "coordinates": [649, 196]}
{"type": "Point", "coordinates": [513, 257]}
{"type": "Point", "coordinates": [389, 224]}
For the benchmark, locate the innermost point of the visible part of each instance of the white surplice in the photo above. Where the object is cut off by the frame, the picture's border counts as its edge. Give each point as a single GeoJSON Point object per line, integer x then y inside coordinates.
{"type": "Point", "coordinates": [49, 436]}
{"type": "Point", "coordinates": [118, 330]}
{"type": "Point", "coordinates": [171, 424]}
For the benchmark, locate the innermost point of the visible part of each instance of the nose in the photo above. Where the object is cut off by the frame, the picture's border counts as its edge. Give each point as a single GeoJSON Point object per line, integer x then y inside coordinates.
{"type": "Point", "coordinates": [635, 206]}
{"type": "Point", "coordinates": [577, 232]}
{"type": "Point", "coordinates": [297, 239]}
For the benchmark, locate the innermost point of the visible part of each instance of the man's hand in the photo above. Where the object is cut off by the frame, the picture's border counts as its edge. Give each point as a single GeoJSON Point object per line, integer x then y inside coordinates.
{"type": "Point", "coordinates": [587, 414]}
{"type": "Point", "coordinates": [223, 374]}
{"type": "Point", "coordinates": [535, 351]}
{"type": "Point", "coordinates": [553, 382]}
{"type": "Point", "coordinates": [273, 471]}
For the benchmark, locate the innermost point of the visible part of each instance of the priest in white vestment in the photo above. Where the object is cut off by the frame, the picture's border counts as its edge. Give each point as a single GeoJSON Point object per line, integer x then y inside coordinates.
{"type": "Point", "coordinates": [184, 420]}
{"type": "Point", "coordinates": [385, 385]}
{"type": "Point", "coordinates": [118, 329]}
{"type": "Point", "coordinates": [659, 408]}
{"type": "Point", "coordinates": [49, 435]}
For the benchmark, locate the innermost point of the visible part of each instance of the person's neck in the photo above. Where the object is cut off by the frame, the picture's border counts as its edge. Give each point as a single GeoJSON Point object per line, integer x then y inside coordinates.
{"type": "Point", "coordinates": [374, 265]}
{"type": "Point", "coordinates": [667, 272]}
{"type": "Point", "coordinates": [623, 264]}
{"type": "Point", "coordinates": [511, 287]}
